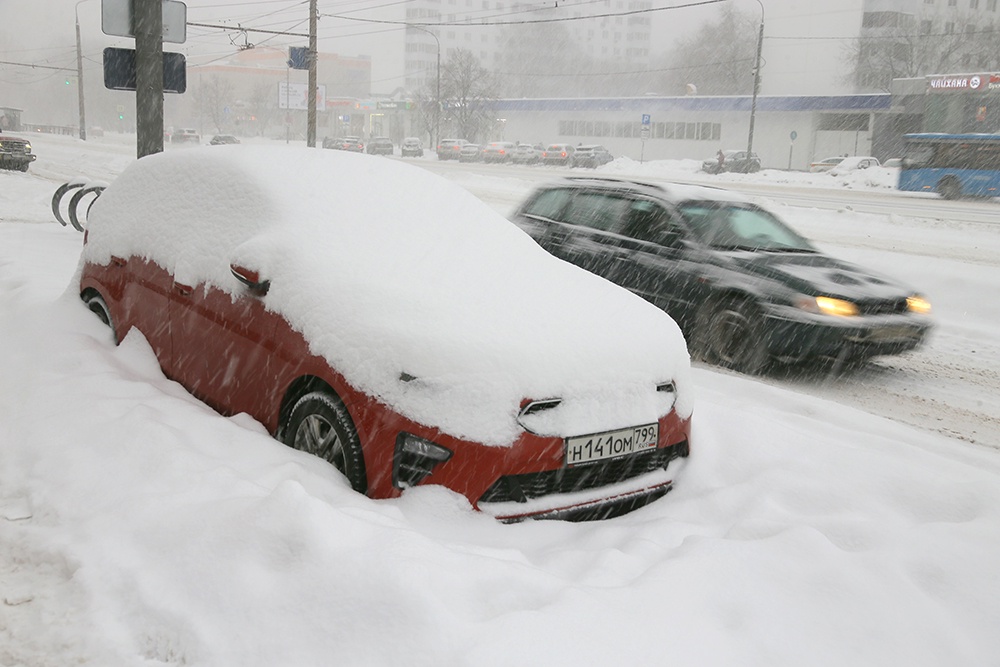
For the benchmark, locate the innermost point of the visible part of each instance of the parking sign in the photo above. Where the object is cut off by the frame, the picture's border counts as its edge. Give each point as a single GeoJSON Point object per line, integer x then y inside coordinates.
{"type": "Point", "coordinates": [645, 119]}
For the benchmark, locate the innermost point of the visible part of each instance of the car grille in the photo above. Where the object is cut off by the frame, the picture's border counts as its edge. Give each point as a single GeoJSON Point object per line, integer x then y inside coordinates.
{"type": "Point", "coordinates": [14, 147]}
{"type": "Point", "coordinates": [521, 488]}
{"type": "Point", "coordinates": [883, 307]}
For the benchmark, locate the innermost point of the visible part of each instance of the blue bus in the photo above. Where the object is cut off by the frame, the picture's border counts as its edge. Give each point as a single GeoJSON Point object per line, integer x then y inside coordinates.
{"type": "Point", "coordinates": [953, 165]}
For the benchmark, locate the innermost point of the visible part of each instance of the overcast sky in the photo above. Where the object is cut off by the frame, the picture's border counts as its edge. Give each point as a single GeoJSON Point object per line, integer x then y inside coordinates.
{"type": "Point", "coordinates": [41, 32]}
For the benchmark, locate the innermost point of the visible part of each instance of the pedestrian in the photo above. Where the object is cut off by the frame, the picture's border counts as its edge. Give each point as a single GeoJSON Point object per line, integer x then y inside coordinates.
{"type": "Point", "coordinates": [722, 159]}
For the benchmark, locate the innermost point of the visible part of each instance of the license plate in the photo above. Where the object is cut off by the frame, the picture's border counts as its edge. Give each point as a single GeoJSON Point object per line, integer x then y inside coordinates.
{"type": "Point", "coordinates": [611, 444]}
{"type": "Point", "coordinates": [887, 334]}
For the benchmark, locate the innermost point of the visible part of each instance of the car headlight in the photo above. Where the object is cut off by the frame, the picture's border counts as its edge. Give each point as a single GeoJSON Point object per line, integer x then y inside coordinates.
{"type": "Point", "coordinates": [826, 305]}
{"type": "Point", "coordinates": [918, 304]}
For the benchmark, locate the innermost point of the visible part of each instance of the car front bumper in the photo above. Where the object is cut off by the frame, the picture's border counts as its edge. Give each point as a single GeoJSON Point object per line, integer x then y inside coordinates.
{"type": "Point", "coordinates": [792, 334]}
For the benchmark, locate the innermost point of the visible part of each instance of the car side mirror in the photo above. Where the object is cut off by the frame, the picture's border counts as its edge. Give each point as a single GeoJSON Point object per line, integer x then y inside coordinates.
{"type": "Point", "coordinates": [250, 279]}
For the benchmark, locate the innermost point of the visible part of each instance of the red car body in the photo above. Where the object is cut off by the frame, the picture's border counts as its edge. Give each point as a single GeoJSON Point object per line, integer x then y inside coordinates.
{"type": "Point", "coordinates": [237, 356]}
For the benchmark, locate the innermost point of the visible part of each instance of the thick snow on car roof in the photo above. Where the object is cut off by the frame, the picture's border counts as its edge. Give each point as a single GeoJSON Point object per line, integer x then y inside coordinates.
{"type": "Point", "coordinates": [388, 270]}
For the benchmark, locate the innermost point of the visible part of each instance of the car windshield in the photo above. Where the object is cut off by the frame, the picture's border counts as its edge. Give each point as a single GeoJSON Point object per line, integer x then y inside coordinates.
{"type": "Point", "coordinates": [739, 226]}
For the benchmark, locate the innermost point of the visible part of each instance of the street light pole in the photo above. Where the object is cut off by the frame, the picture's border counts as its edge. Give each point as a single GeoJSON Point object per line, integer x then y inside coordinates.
{"type": "Point", "coordinates": [79, 73]}
{"type": "Point", "coordinates": [437, 99]}
{"type": "Point", "coordinates": [756, 82]}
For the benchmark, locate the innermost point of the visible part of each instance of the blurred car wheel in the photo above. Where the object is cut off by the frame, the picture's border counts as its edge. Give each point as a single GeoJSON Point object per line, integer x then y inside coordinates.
{"type": "Point", "coordinates": [730, 339]}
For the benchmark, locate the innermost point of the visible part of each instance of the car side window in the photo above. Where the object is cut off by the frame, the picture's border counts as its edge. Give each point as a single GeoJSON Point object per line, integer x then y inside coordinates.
{"type": "Point", "coordinates": [596, 210]}
{"type": "Point", "coordinates": [648, 221]}
{"type": "Point", "coordinates": [549, 204]}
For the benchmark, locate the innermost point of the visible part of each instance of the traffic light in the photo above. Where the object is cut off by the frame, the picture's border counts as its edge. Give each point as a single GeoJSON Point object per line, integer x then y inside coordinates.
{"type": "Point", "coordinates": [67, 81]}
{"type": "Point", "coordinates": [121, 116]}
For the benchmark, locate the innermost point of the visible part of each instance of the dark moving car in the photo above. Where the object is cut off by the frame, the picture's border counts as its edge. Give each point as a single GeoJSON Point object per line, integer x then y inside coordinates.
{"type": "Point", "coordinates": [734, 161]}
{"type": "Point", "coordinates": [744, 287]}
{"type": "Point", "coordinates": [380, 146]}
{"type": "Point", "coordinates": [592, 156]}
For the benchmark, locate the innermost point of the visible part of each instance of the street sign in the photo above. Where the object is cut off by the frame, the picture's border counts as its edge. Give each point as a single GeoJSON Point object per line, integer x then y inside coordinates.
{"type": "Point", "coordinates": [296, 96]}
{"type": "Point", "coordinates": [120, 71]}
{"type": "Point", "coordinates": [116, 19]}
{"type": "Point", "coordinates": [646, 119]}
{"type": "Point", "coordinates": [644, 132]}
{"type": "Point", "coordinates": [298, 57]}
{"type": "Point", "coordinates": [794, 135]}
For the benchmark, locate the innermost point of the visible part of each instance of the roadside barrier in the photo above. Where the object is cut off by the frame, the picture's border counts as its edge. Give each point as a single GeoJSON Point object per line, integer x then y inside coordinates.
{"type": "Point", "coordinates": [84, 188]}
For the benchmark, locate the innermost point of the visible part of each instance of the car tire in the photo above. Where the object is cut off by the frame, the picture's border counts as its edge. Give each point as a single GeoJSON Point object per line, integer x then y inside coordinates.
{"type": "Point", "coordinates": [98, 306]}
{"type": "Point", "coordinates": [950, 188]}
{"type": "Point", "coordinates": [729, 336]}
{"type": "Point", "coordinates": [320, 425]}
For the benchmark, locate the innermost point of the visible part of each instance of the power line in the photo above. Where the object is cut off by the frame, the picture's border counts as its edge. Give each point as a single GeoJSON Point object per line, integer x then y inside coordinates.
{"type": "Point", "coordinates": [527, 21]}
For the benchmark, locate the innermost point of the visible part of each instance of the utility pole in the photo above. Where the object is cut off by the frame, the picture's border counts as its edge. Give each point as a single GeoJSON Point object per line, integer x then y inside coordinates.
{"type": "Point", "coordinates": [147, 27]}
{"type": "Point", "coordinates": [79, 74]}
{"type": "Point", "coordinates": [756, 81]}
{"type": "Point", "coordinates": [311, 113]}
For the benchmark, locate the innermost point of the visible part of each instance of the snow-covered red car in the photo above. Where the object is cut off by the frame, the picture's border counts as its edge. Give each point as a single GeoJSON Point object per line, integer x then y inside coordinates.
{"type": "Point", "coordinates": [413, 339]}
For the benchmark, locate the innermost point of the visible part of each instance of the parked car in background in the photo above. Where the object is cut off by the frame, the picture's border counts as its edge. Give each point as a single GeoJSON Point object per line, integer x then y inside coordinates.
{"type": "Point", "coordinates": [526, 154]}
{"type": "Point", "coordinates": [411, 147]}
{"type": "Point", "coordinates": [498, 151]}
{"type": "Point", "coordinates": [222, 139]}
{"type": "Point", "coordinates": [380, 146]}
{"type": "Point", "coordinates": [558, 154]}
{"type": "Point", "coordinates": [293, 316]}
{"type": "Point", "coordinates": [185, 136]}
{"type": "Point", "coordinates": [591, 156]}
{"type": "Point", "coordinates": [746, 289]}
{"type": "Point", "coordinates": [448, 149]}
{"type": "Point", "coordinates": [893, 162]}
{"type": "Point", "coordinates": [854, 163]}
{"type": "Point", "coordinates": [470, 153]}
{"type": "Point", "coordinates": [733, 161]}
{"type": "Point", "coordinates": [353, 144]}
{"type": "Point", "coordinates": [15, 153]}
{"type": "Point", "coordinates": [826, 164]}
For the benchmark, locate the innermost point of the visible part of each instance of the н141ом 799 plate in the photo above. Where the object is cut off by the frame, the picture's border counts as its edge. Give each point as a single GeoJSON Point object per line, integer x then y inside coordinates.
{"type": "Point", "coordinates": [587, 448]}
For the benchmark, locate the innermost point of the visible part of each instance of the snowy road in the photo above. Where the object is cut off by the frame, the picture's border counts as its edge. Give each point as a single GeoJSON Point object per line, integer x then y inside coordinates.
{"type": "Point", "coordinates": [950, 250]}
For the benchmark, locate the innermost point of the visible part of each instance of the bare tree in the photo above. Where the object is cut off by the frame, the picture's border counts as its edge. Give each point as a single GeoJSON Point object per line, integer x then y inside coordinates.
{"type": "Point", "coordinates": [906, 48]}
{"type": "Point", "coordinates": [718, 59]}
{"type": "Point", "coordinates": [213, 97]}
{"type": "Point", "coordinates": [467, 91]}
{"type": "Point", "coordinates": [262, 105]}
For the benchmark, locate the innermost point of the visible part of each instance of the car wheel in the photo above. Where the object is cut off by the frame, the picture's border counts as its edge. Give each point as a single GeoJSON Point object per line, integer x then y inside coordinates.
{"type": "Point", "coordinates": [320, 425]}
{"type": "Point", "coordinates": [729, 336]}
{"type": "Point", "coordinates": [98, 306]}
{"type": "Point", "coordinates": [950, 188]}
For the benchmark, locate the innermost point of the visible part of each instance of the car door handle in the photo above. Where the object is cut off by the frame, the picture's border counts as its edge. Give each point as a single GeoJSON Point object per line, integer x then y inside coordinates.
{"type": "Point", "coordinates": [183, 290]}
{"type": "Point", "coordinates": [118, 261]}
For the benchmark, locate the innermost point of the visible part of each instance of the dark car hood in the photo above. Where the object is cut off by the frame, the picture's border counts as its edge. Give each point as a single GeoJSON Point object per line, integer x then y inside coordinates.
{"type": "Point", "coordinates": [818, 274]}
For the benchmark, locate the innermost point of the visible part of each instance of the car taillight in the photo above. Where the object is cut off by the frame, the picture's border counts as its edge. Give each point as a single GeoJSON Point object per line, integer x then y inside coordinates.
{"type": "Point", "coordinates": [503, 152]}
{"type": "Point", "coordinates": [564, 154]}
